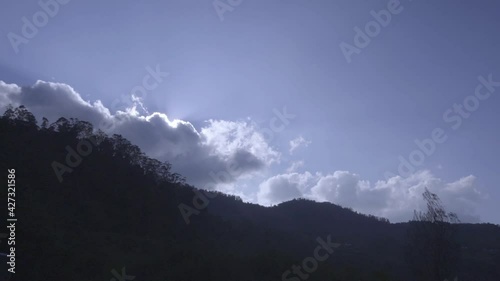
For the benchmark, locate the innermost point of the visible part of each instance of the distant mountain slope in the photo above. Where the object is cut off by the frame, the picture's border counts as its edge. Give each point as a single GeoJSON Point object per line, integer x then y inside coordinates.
{"type": "Point", "coordinates": [118, 208]}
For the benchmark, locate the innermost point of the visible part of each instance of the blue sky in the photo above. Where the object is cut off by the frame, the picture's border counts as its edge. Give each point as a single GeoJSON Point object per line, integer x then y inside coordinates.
{"type": "Point", "coordinates": [357, 117]}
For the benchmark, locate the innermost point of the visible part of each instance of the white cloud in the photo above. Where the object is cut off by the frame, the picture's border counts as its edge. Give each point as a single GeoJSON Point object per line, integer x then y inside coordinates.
{"type": "Point", "coordinates": [298, 142]}
{"type": "Point", "coordinates": [295, 166]}
{"type": "Point", "coordinates": [225, 137]}
{"type": "Point", "coordinates": [284, 187]}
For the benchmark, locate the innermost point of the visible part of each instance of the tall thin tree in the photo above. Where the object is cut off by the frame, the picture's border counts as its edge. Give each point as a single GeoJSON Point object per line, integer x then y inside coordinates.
{"type": "Point", "coordinates": [432, 250]}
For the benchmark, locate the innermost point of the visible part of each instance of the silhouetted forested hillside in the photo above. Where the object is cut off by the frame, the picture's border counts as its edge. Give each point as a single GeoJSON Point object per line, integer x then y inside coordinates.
{"type": "Point", "coordinates": [119, 208]}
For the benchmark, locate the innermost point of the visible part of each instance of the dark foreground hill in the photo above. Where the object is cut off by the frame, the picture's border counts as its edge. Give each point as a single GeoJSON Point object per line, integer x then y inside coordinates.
{"type": "Point", "coordinates": [116, 215]}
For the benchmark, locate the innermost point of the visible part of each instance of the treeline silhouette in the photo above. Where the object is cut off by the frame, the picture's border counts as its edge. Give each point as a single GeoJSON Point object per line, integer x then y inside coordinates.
{"type": "Point", "coordinates": [120, 208]}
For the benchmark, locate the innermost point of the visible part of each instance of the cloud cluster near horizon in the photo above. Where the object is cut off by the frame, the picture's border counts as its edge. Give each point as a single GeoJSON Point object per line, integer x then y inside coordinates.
{"type": "Point", "coordinates": [199, 154]}
{"type": "Point", "coordinates": [395, 198]}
